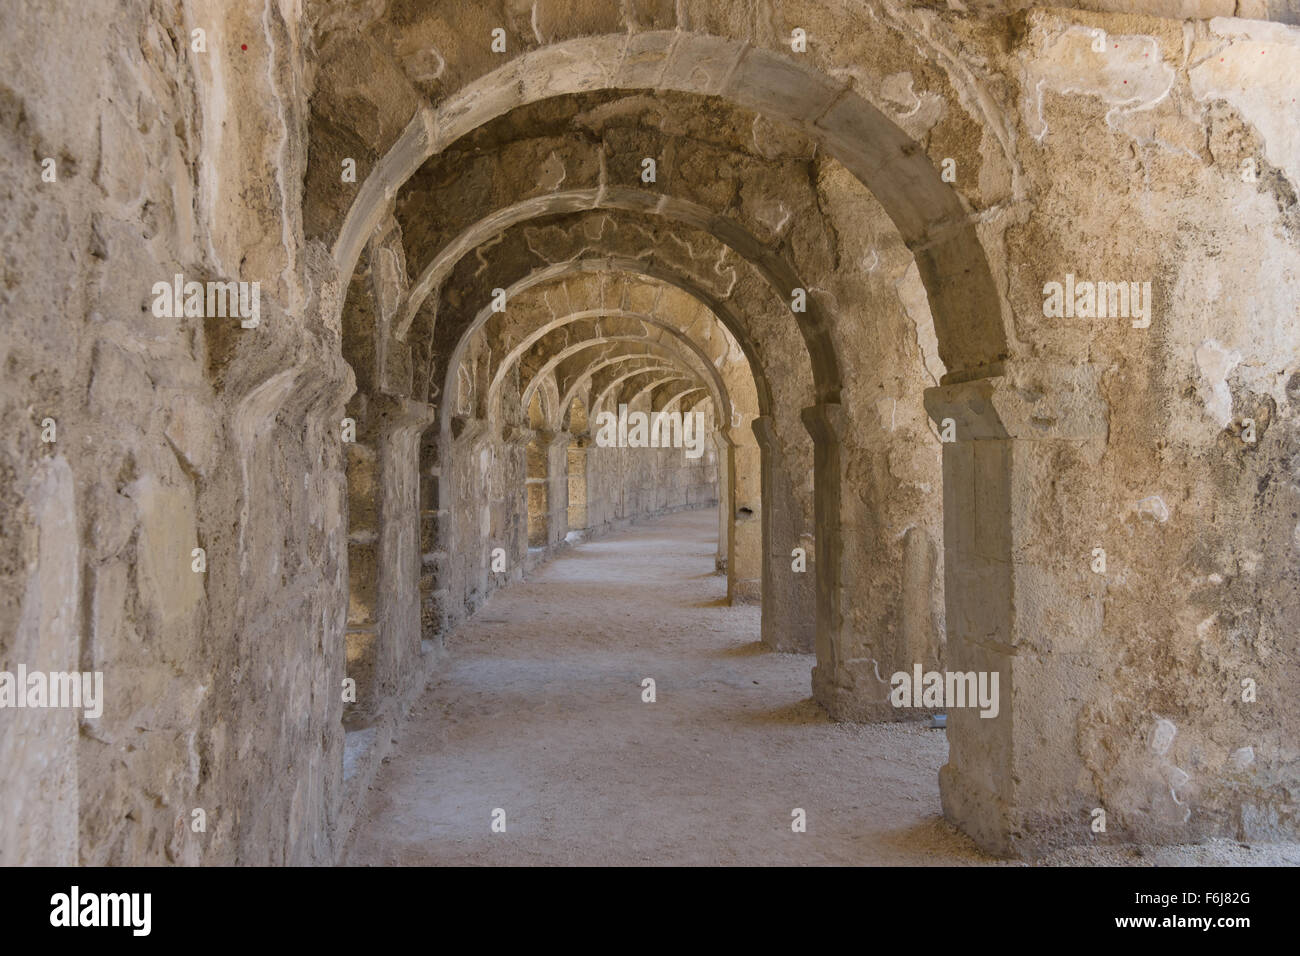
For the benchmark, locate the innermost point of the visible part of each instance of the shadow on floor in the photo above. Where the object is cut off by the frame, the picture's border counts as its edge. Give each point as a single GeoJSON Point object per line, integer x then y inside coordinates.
{"type": "Point", "coordinates": [806, 711]}
{"type": "Point", "coordinates": [936, 835]}
{"type": "Point", "coordinates": [752, 649]}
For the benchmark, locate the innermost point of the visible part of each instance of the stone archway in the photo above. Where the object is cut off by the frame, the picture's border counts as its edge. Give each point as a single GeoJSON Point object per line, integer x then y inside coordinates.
{"type": "Point", "coordinates": [765, 471]}
{"type": "Point", "coordinates": [1112, 509]}
{"type": "Point", "coordinates": [929, 215]}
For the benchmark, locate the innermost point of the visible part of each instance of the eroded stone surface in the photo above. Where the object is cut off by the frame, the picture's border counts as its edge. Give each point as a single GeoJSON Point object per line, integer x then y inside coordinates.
{"type": "Point", "coordinates": [840, 251]}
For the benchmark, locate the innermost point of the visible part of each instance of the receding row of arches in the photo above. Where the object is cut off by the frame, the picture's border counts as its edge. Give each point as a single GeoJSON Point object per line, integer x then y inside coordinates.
{"type": "Point", "coordinates": [540, 272]}
{"type": "Point", "coordinates": [507, 264]}
{"type": "Point", "coordinates": [472, 254]}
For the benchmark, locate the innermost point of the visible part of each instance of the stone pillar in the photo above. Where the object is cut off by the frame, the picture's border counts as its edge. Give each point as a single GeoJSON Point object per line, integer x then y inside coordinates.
{"type": "Point", "coordinates": [557, 488]}
{"type": "Point", "coordinates": [518, 445]}
{"type": "Point", "coordinates": [1021, 600]}
{"type": "Point", "coordinates": [832, 681]}
{"type": "Point", "coordinates": [745, 531]}
{"type": "Point", "coordinates": [576, 515]}
{"type": "Point", "coordinates": [789, 596]}
{"type": "Point", "coordinates": [475, 511]}
{"type": "Point", "coordinates": [726, 496]}
{"type": "Point", "coordinates": [362, 635]}
{"type": "Point", "coordinates": [435, 531]}
{"type": "Point", "coordinates": [400, 424]}
{"type": "Point", "coordinates": [857, 688]}
{"type": "Point", "coordinates": [38, 747]}
{"type": "Point", "coordinates": [537, 488]}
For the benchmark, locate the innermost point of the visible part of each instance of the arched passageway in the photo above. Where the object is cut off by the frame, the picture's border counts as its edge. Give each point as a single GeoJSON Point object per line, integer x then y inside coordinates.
{"type": "Point", "coordinates": [949, 408]}
{"type": "Point", "coordinates": [520, 284]}
{"type": "Point", "coordinates": [506, 189]}
{"type": "Point", "coordinates": [543, 714]}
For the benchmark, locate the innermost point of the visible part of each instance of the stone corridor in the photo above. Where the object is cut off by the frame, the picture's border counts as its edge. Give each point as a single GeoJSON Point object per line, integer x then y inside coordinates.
{"type": "Point", "coordinates": [391, 385]}
{"type": "Point", "coordinates": [539, 712]}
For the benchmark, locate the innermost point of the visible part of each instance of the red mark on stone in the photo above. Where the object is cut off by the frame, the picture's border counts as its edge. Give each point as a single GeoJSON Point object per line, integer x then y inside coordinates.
{"type": "Point", "coordinates": [243, 46]}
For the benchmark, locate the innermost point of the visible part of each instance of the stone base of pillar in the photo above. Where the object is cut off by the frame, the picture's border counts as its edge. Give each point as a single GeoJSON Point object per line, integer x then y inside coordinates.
{"type": "Point", "coordinates": [1016, 827]}
{"type": "Point", "coordinates": [979, 813]}
{"type": "Point", "coordinates": [784, 642]}
{"type": "Point", "coordinates": [852, 693]}
{"type": "Point", "coordinates": [434, 613]}
{"type": "Point", "coordinates": [748, 591]}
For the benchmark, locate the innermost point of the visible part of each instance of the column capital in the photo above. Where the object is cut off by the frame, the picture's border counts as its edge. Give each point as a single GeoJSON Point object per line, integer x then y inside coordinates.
{"type": "Point", "coordinates": [1029, 401]}
{"type": "Point", "coordinates": [826, 422]}
{"type": "Point", "coordinates": [736, 436]}
{"type": "Point", "coordinates": [763, 431]}
{"type": "Point", "coordinates": [515, 435]}
{"type": "Point", "coordinates": [399, 413]}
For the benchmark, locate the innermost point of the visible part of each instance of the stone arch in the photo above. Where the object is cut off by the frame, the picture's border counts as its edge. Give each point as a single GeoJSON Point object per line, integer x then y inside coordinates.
{"type": "Point", "coordinates": [928, 213]}
{"type": "Point", "coordinates": [967, 309]}
{"type": "Point", "coordinates": [787, 623]}
{"type": "Point", "coordinates": [611, 389]}
{"type": "Point", "coordinates": [685, 341]}
{"type": "Point", "coordinates": [545, 393]}
{"type": "Point", "coordinates": [714, 380]}
{"type": "Point", "coordinates": [691, 385]}
{"type": "Point", "coordinates": [725, 313]}
{"type": "Point", "coordinates": [717, 392]}
{"type": "Point", "coordinates": [669, 373]}
{"type": "Point", "coordinates": [657, 381]}
{"type": "Point", "coordinates": [666, 402]}
{"type": "Point", "coordinates": [934, 224]}
{"type": "Point", "coordinates": [821, 126]}
{"type": "Point", "coordinates": [779, 274]}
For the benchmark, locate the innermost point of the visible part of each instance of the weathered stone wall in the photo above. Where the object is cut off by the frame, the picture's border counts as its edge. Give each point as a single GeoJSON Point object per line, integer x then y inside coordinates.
{"type": "Point", "coordinates": [1197, 521]}
{"type": "Point", "coordinates": [220, 686]}
{"type": "Point", "coordinates": [919, 173]}
{"type": "Point", "coordinates": [628, 484]}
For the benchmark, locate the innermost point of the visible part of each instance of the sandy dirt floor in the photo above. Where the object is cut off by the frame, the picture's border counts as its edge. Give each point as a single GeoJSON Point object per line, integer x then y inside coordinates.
{"type": "Point", "coordinates": [538, 712]}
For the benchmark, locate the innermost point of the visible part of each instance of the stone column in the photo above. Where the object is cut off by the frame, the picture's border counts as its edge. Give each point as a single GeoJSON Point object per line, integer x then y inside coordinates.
{"type": "Point", "coordinates": [1021, 600]}
{"type": "Point", "coordinates": [516, 446]}
{"type": "Point", "coordinates": [557, 488]}
{"type": "Point", "coordinates": [832, 682]}
{"type": "Point", "coordinates": [576, 515]}
{"type": "Point", "coordinates": [726, 496]}
{"type": "Point", "coordinates": [399, 424]}
{"type": "Point", "coordinates": [384, 555]}
{"type": "Point", "coordinates": [38, 747]}
{"type": "Point", "coordinates": [745, 531]}
{"type": "Point", "coordinates": [849, 687]}
{"type": "Point", "coordinates": [362, 634]}
{"type": "Point", "coordinates": [435, 531]}
{"type": "Point", "coordinates": [472, 514]}
{"type": "Point", "coordinates": [789, 596]}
